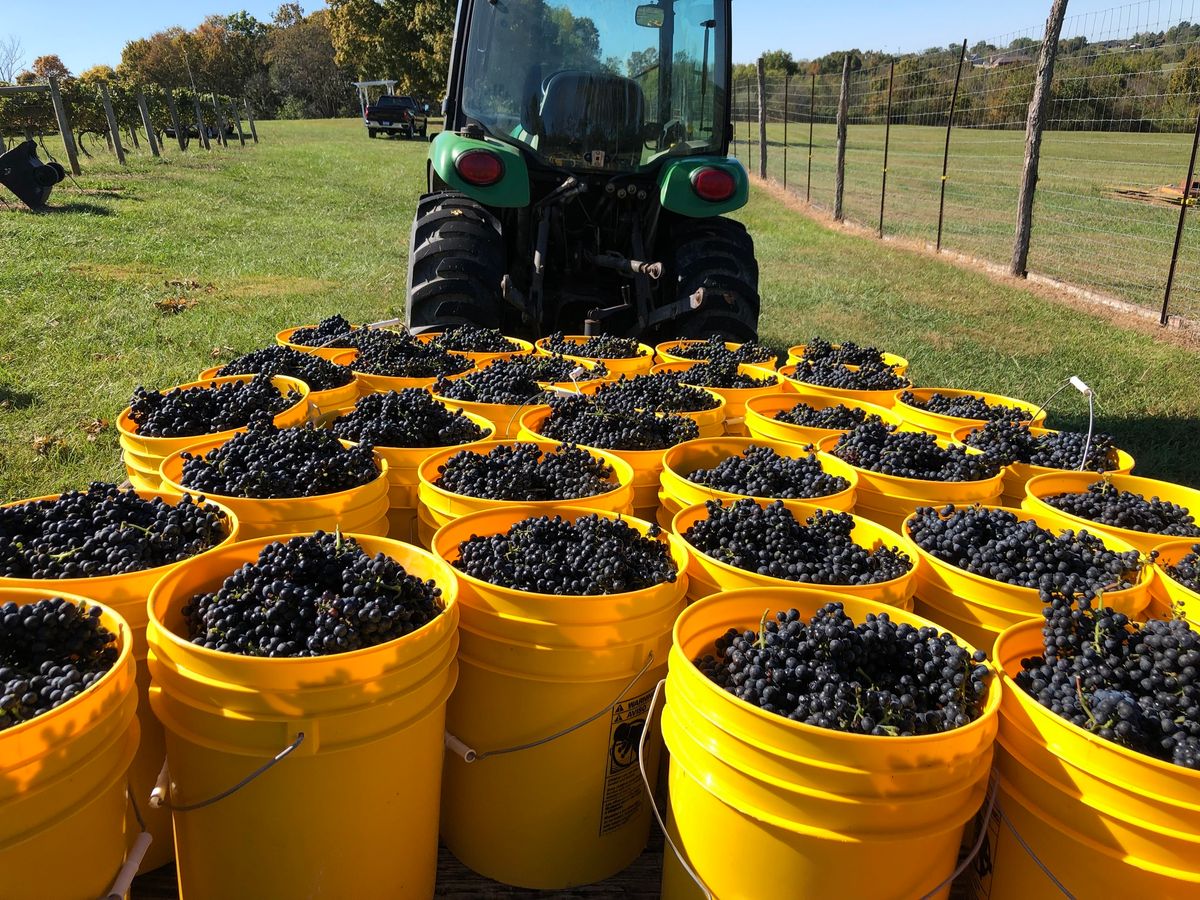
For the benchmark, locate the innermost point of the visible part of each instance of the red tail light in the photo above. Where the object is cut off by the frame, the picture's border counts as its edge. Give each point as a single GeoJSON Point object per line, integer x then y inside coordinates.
{"type": "Point", "coordinates": [713, 184]}
{"type": "Point", "coordinates": [479, 167]}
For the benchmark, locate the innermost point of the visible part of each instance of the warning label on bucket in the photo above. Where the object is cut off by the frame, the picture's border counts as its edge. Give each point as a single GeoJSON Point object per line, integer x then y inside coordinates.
{"type": "Point", "coordinates": [623, 793]}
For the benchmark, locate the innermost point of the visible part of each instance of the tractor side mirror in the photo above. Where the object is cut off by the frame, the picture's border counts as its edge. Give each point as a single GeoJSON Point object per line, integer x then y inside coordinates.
{"type": "Point", "coordinates": [650, 16]}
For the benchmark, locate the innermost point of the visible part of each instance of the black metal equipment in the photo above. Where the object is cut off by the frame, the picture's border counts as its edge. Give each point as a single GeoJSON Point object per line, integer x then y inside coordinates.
{"type": "Point", "coordinates": [27, 176]}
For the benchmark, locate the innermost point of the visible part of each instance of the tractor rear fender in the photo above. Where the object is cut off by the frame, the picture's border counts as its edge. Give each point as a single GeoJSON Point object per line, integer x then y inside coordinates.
{"type": "Point", "coordinates": [677, 194]}
{"type": "Point", "coordinates": [512, 190]}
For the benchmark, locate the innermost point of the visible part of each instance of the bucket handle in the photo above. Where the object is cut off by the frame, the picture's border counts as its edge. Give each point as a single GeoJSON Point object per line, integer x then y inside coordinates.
{"type": "Point", "coordinates": [658, 689]}
{"type": "Point", "coordinates": [133, 859]}
{"type": "Point", "coordinates": [979, 840]}
{"type": "Point", "coordinates": [468, 755]}
{"type": "Point", "coordinates": [159, 798]}
{"type": "Point", "coordinates": [1041, 865]}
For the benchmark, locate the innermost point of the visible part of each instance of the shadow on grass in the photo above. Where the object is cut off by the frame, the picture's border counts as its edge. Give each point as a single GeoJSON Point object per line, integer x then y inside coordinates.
{"type": "Point", "coordinates": [1163, 447]}
{"type": "Point", "coordinates": [76, 206]}
{"type": "Point", "coordinates": [12, 399]}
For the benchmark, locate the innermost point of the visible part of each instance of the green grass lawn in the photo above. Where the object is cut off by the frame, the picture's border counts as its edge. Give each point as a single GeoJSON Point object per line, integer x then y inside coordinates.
{"type": "Point", "coordinates": [315, 220]}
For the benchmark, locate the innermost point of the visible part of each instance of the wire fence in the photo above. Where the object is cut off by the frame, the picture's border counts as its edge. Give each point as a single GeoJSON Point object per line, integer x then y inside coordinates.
{"type": "Point", "coordinates": [1114, 159]}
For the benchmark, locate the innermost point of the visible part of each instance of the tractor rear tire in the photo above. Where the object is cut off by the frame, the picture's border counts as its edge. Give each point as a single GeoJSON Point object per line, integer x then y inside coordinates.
{"type": "Point", "coordinates": [716, 254]}
{"type": "Point", "coordinates": [456, 261]}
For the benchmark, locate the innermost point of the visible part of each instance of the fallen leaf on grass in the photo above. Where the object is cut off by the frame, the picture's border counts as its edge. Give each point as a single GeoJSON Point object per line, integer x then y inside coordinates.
{"type": "Point", "coordinates": [170, 306]}
{"type": "Point", "coordinates": [47, 444]}
{"type": "Point", "coordinates": [188, 284]}
{"type": "Point", "coordinates": [222, 353]}
{"type": "Point", "coordinates": [93, 428]}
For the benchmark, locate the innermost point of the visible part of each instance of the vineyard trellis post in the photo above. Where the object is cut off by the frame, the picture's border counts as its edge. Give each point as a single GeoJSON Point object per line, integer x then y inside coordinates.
{"type": "Point", "coordinates": [200, 129]}
{"type": "Point", "coordinates": [1164, 317]}
{"type": "Point", "coordinates": [749, 134]}
{"type": "Point", "coordinates": [762, 120]}
{"type": "Point", "coordinates": [843, 113]}
{"type": "Point", "coordinates": [787, 78]}
{"type": "Point", "coordinates": [147, 123]}
{"type": "Point", "coordinates": [221, 125]}
{"type": "Point", "coordinates": [237, 122]}
{"type": "Point", "coordinates": [1034, 123]}
{"type": "Point", "coordinates": [114, 131]}
{"type": "Point", "coordinates": [812, 105]}
{"type": "Point", "coordinates": [887, 139]}
{"type": "Point", "coordinates": [946, 152]}
{"type": "Point", "coordinates": [173, 111]}
{"type": "Point", "coordinates": [250, 119]}
{"type": "Point", "coordinates": [64, 125]}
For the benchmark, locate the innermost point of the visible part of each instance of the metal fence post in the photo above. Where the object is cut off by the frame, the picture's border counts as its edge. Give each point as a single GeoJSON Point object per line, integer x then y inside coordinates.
{"type": "Point", "coordinates": [887, 140]}
{"type": "Point", "coordinates": [946, 153]}
{"type": "Point", "coordinates": [1164, 316]}
{"type": "Point", "coordinates": [749, 133]}
{"type": "Point", "coordinates": [812, 106]}
{"type": "Point", "coordinates": [843, 114]}
{"type": "Point", "coordinates": [786, 83]}
{"type": "Point", "coordinates": [762, 120]}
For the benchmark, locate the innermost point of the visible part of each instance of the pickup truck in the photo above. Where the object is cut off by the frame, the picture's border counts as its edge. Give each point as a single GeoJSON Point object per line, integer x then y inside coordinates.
{"type": "Point", "coordinates": [396, 115]}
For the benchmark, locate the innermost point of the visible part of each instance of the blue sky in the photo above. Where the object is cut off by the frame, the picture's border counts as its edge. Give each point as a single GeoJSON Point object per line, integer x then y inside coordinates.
{"type": "Point", "coordinates": [87, 32]}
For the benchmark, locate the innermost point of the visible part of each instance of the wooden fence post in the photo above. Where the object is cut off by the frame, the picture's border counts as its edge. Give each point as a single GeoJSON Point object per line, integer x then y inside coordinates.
{"type": "Point", "coordinates": [201, 131]}
{"type": "Point", "coordinates": [762, 120]}
{"type": "Point", "coordinates": [946, 153]}
{"type": "Point", "coordinates": [250, 119]}
{"type": "Point", "coordinates": [1034, 123]}
{"type": "Point", "coordinates": [843, 113]}
{"type": "Point", "coordinates": [113, 131]}
{"type": "Point", "coordinates": [180, 133]}
{"type": "Point", "coordinates": [133, 138]}
{"type": "Point", "coordinates": [144, 109]}
{"type": "Point", "coordinates": [220, 120]}
{"type": "Point", "coordinates": [237, 122]}
{"type": "Point", "coordinates": [887, 139]}
{"type": "Point", "coordinates": [64, 125]}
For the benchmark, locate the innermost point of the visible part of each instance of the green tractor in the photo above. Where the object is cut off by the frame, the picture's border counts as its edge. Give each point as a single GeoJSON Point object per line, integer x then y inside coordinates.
{"type": "Point", "coordinates": [582, 178]}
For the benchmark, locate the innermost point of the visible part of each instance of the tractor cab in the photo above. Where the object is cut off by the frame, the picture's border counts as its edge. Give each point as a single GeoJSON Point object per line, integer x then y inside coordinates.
{"type": "Point", "coordinates": [584, 174]}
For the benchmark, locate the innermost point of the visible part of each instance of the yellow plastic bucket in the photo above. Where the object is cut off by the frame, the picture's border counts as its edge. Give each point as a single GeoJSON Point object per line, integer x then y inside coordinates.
{"type": "Point", "coordinates": [890, 499]}
{"type": "Point", "coordinates": [711, 422]}
{"type": "Point", "coordinates": [646, 464]}
{"type": "Point", "coordinates": [945, 426]}
{"type": "Point", "coordinates": [885, 398]}
{"type": "Point", "coordinates": [321, 403]}
{"type": "Point", "coordinates": [1103, 820]}
{"type": "Point", "coordinates": [746, 784]}
{"type": "Point", "coordinates": [896, 592]}
{"type": "Point", "coordinates": [126, 595]}
{"type": "Point", "coordinates": [1173, 597]}
{"type": "Point", "coordinates": [761, 413]}
{"type": "Point", "coordinates": [361, 510]}
{"type": "Point", "coordinates": [356, 802]}
{"type": "Point", "coordinates": [526, 349]}
{"type": "Point", "coordinates": [284, 337]}
{"type": "Point", "coordinates": [681, 460]}
{"type": "Point", "coordinates": [144, 455]}
{"type": "Point", "coordinates": [506, 416]}
{"type": "Point", "coordinates": [1053, 483]}
{"type": "Point", "coordinates": [899, 363]}
{"type": "Point", "coordinates": [994, 606]}
{"type": "Point", "coordinates": [665, 353]}
{"type": "Point", "coordinates": [535, 669]}
{"type": "Point", "coordinates": [402, 466]}
{"type": "Point", "coordinates": [1017, 475]}
{"type": "Point", "coordinates": [629, 366]}
{"type": "Point", "coordinates": [735, 398]}
{"type": "Point", "coordinates": [438, 506]}
{"type": "Point", "coordinates": [63, 798]}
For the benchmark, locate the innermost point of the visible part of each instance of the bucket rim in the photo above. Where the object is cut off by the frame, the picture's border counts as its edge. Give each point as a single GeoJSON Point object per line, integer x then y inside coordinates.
{"type": "Point", "coordinates": [211, 373]}
{"type": "Point", "coordinates": [1169, 553]}
{"type": "Point", "coordinates": [488, 427]}
{"type": "Point", "coordinates": [762, 406]}
{"type": "Point", "coordinates": [902, 542]}
{"type": "Point", "coordinates": [798, 351]}
{"type": "Point", "coordinates": [996, 482]}
{"type": "Point", "coordinates": [987, 718]}
{"type": "Point", "coordinates": [519, 512]}
{"type": "Point", "coordinates": [1125, 462]}
{"type": "Point", "coordinates": [875, 395]}
{"type": "Point", "coordinates": [580, 338]}
{"type": "Point", "coordinates": [1038, 415]}
{"type": "Point", "coordinates": [534, 417]}
{"type": "Point", "coordinates": [449, 596]}
{"type": "Point", "coordinates": [735, 394]}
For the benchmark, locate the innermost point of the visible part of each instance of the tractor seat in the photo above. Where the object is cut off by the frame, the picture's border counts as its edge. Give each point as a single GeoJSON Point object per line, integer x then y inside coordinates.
{"type": "Point", "coordinates": [583, 112]}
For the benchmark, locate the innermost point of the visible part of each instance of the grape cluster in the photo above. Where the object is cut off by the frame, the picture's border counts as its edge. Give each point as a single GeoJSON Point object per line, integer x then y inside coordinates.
{"type": "Point", "coordinates": [770, 540]}
{"type": "Point", "coordinates": [318, 373]}
{"type": "Point", "coordinates": [911, 454]}
{"type": "Point", "coordinates": [549, 555]}
{"type": "Point", "coordinates": [600, 346]}
{"type": "Point", "coordinates": [1187, 570]}
{"type": "Point", "coordinates": [312, 596]}
{"type": "Point", "coordinates": [513, 381]}
{"type": "Point", "coordinates": [582, 420]}
{"type": "Point", "coordinates": [722, 373]}
{"type": "Point", "coordinates": [402, 356]}
{"type": "Point", "coordinates": [187, 412]}
{"type": "Point", "coordinates": [104, 531]}
{"type": "Point", "coordinates": [266, 462]}
{"type": "Point", "coordinates": [713, 349]}
{"type": "Point", "coordinates": [407, 418]}
{"type": "Point", "coordinates": [1012, 442]}
{"type": "Point", "coordinates": [334, 331]}
{"type": "Point", "coordinates": [762, 472]}
{"type": "Point", "coordinates": [872, 377]}
{"type": "Point", "coordinates": [655, 393]}
{"type": "Point", "coordinates": [51, 650]}
{"type": "Point", "coordinates": [878, 677]}
{"type": "Point", "coordinates": [996, 544]}
{"type": "Point", "coordinates": [966, 406]}
{"type": "Point", "coordinates": [525, 473]}
{"type": "Point", "coordinates": [1132, 684]}
{"type": "Point", "coordinates": [847, 353]}
{"type": "Point", "coordinates": [470, 339]}
{"type": "Point", "coordinates": [1106, 504]}
{"type": "Point", "coordinates": [834, 418]}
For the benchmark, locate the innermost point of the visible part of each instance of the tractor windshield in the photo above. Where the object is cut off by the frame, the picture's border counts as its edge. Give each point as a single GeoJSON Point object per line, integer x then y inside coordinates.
{"type": "Point", "coordinates": [599, 84]}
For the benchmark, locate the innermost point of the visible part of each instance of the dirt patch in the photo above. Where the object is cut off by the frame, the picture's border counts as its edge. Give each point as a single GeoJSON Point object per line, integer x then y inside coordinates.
{"type": "Point", "coordinates": [274, 286]}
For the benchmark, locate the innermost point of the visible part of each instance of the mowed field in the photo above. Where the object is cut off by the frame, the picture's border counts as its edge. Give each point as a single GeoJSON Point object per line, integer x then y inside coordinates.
{"type": "Point", "coordinates": [315, 220]}
{"type": "Point", "coordinates": [1101, 220]}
